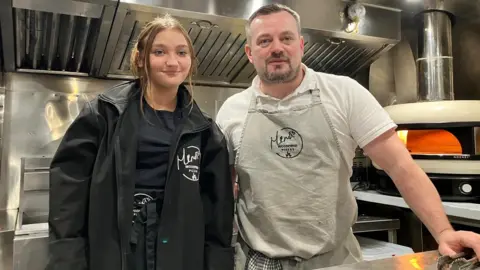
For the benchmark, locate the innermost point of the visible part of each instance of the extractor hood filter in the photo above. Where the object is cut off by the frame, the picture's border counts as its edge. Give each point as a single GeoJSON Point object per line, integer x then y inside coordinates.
{"type": "Point", "coordinates": [55, 42]}
{"type": "Point", "coordinates": [58, 37]}
{"type": "Point", "coordinates": [219, 37]}
{"type": "Point", "coordinates": [221, 56]}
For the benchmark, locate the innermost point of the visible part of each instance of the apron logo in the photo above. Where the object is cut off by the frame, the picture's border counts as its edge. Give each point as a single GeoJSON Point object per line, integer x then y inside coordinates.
{"type": "Point", "coordinates": [287, 143]}
{"type": "Point", "coordinates": [190, 161]}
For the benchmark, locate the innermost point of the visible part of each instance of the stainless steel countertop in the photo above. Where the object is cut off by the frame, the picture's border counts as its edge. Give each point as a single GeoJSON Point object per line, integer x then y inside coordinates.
{"type": "Point", "coordinates": [417, 261]}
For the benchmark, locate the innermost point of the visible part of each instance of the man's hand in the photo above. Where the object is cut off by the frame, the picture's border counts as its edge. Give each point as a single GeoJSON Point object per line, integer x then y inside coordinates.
{"type": "Point", "coordinates": [452, 242]}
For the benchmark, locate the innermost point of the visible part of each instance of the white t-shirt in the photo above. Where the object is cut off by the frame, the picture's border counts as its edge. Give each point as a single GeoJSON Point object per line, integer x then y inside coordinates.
{"type": "Point", "coordinates": [356, 115]}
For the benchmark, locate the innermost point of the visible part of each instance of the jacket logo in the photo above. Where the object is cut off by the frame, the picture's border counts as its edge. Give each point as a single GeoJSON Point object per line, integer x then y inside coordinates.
{"type": "Point", "coordinates": [287, 143]}
{"type": "Point", "coordinates": [139, 200]}
{"type": "Point", "coordinates": [189, 162]}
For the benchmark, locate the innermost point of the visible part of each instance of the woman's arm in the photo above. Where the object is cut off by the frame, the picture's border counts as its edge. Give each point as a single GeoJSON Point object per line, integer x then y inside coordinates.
{"type": "Point", "coordinates": [217, 186]}
{"type": "Point", "coordinates": [70, 175]}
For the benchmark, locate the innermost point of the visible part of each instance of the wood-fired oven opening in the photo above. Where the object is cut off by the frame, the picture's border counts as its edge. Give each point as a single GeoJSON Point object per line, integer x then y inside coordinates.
{"type": "Point", "coordinates": [431, 141]}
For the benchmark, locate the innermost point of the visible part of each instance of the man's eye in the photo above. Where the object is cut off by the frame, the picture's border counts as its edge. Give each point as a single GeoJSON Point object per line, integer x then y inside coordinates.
{"type": "Point", "coordinates": [263, 41]}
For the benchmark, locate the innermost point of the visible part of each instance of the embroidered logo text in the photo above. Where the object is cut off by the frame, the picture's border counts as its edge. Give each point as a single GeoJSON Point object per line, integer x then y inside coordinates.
{"type": "Point", "coordinates": [188, 162]}
{"type": "Point", "coordinates": [287, 143]}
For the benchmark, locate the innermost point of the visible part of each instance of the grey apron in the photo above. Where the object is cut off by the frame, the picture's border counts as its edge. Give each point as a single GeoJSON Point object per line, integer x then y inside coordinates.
{"type": "Point", "coordinates": [295, 205]}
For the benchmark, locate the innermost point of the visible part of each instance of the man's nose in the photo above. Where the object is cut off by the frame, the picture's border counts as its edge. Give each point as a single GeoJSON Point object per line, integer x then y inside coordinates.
{"type": "Point", "coordinates": [277, 48]}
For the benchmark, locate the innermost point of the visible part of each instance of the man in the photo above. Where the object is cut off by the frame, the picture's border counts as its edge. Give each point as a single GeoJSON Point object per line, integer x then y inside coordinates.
{"type": "Point", "coordinates": [292, 137]}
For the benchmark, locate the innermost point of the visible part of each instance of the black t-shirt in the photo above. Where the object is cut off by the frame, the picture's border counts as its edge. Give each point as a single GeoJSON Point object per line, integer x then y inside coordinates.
{"type": "Point", "coordinates": [155, 136]}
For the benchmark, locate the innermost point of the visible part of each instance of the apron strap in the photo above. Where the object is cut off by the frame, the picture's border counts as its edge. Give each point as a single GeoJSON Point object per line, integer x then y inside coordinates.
{"type": "Point", "coordinates": [316, 96]}
{"type": "Point", "coordinates": [252, 106]}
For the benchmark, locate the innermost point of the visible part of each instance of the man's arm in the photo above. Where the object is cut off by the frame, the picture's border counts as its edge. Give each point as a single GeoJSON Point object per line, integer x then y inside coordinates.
{"type": "Point", "coordinates": [420, 194]}
{"type": "Point", "coordinates": [418, 191]}
{"type": "Point", "coordinates": [374, 131]}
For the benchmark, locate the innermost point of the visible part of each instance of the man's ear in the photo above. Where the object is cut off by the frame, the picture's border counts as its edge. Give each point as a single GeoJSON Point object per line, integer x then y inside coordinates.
{"type": "Point", "coordinates": [302, 44]}
{"type": "Point", "coordinates": [248, 52]}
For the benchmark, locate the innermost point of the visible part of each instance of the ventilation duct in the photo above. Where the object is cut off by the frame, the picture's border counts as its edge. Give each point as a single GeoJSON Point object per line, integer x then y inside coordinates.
{"type": "Point", "coordinates": [435, 61]}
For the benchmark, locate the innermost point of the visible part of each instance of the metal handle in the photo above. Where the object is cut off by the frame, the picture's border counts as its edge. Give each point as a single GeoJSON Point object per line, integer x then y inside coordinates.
{"type": "Point", "coordinates": [204, 24]}
{"type": "Point", "coordinates": [335, 41]}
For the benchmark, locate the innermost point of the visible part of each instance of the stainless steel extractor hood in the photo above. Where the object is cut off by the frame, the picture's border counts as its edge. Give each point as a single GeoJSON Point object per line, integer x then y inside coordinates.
{"type": "Point", "coordinates": [95, 37]}
{"type": "Point", "coordinates": [51, 36]}
{"type": "Point", "coordinates": [217, 30]}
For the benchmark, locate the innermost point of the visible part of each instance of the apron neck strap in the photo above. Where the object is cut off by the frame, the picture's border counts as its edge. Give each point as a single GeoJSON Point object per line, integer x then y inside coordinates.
{"type": "Point", "coordinates": [254, 100]}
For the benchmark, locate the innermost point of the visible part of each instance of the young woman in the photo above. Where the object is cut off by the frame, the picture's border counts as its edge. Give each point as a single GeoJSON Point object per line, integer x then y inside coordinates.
{"type": "Point", "coordinates": [141, 180]}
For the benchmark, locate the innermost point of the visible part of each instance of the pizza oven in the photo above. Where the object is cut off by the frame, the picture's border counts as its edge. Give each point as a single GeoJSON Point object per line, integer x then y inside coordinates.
{"type": "Point", "coordinates": [443, 138]}
{"type": "Point", "coordinates": [442, 134]}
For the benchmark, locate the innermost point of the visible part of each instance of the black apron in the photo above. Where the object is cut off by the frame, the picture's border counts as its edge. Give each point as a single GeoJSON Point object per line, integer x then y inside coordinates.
{"type": "Point", "coordinates": [146, 216]}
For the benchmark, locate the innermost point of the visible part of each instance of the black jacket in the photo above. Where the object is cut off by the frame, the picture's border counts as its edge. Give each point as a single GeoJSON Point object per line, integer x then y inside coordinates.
{"type": "Point", "coordinates": [92, 188]}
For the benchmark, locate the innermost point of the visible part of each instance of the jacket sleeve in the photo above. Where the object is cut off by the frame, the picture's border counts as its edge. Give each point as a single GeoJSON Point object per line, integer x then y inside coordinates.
{"type": "Point", "coordinates": [70, 175]}
{"type": "Point", "coordinates": [217, 191]}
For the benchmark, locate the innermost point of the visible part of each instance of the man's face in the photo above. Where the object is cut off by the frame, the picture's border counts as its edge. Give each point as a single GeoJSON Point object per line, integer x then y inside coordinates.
{"type": "Point", "coordinates": [276, 47]}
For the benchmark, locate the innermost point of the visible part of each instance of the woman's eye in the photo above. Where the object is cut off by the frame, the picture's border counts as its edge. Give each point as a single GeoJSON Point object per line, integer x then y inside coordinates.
{"type": "Point", "coordinates": [157, 53]}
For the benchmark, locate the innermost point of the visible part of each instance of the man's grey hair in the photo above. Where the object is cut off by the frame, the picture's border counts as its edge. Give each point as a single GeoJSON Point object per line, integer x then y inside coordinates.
{"type": "Point", "coordinates": [267, 10]}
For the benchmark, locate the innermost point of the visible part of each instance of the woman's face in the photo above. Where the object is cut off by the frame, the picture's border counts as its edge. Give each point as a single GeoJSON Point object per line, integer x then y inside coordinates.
{"type": "Point", "coordinates": [170, 59]}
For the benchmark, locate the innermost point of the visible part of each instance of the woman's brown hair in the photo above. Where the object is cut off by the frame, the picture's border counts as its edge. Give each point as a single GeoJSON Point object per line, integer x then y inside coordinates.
{"type": "Point", "coordinates": [143, 46]}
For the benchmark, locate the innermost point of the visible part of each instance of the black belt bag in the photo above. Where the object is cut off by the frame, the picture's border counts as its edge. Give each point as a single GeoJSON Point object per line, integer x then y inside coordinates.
{"type": "Point", "coordinates": [143, 240]}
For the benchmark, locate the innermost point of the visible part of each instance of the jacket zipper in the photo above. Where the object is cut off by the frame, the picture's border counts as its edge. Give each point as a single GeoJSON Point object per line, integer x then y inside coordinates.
{"type": "Point", "coordinates": [172, 156]}
{"type": "Point", "coordinates": [117, 161]}
{"type": "Point", "coordinates": [119, 212]}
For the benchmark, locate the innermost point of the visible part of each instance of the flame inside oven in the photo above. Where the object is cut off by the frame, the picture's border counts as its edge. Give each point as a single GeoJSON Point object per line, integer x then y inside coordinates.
{"type": "Point", "coordinates": [430, 141]}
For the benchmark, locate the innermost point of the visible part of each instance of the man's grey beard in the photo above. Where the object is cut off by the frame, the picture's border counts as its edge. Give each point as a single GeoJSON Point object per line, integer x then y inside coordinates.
{"type": "Point", "coordinates": [276, 78]}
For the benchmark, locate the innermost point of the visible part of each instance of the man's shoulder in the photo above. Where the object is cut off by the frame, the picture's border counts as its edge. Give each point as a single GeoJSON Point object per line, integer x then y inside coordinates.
{"type": "Point", "coordinates": [338, 86]}
{"type": "Point", "coordinates": [334, 79]}
{"type": "Point", "coordinates": [234, 105]}
{"type": "Point", "coordinates": [238, 99]}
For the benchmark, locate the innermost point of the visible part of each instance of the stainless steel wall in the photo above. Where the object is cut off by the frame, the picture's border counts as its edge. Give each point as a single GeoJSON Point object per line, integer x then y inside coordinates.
{"type": "Point", "coordinates": [211, 98]}
{"type": "Point", "coordinates": [38, 109]}
{"type": "Point", "coordinates": [393, 77]}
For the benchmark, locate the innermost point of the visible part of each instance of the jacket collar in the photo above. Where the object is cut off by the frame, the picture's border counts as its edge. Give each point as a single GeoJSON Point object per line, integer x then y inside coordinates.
{"type": "Point", "coordinates": [120, 96]}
